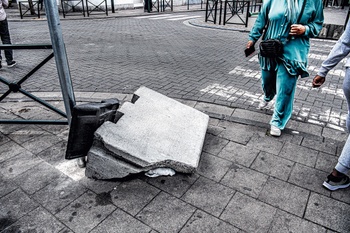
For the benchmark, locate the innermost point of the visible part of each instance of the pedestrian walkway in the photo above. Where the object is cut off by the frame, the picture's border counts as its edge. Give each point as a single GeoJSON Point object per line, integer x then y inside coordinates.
{"type": "Point", "coordinates": [247, 181]}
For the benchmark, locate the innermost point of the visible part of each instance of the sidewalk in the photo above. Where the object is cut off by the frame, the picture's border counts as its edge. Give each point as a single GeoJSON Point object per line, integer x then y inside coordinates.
{"type": "Point", "coordinates": [247, 181]}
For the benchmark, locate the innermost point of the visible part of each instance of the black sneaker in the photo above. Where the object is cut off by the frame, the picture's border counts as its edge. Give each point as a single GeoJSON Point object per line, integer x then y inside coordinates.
{"type": "Point", "coordinates": [11, 64]}
{"type": "Point", "coordinates": [334, 182]}
{"type": "Point", "coordinates": [0, 65]}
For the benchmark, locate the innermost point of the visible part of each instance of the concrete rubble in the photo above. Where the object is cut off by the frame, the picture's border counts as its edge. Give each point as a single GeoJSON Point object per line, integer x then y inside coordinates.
{"type": "Point", "coordinates": [153, 131]}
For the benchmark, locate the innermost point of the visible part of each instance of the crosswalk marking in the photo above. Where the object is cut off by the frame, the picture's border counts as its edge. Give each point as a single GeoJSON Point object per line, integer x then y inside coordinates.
{"type": "Point", "coordinates": [166, 17]}
{"type": "Point", "coordinates": [151, 16]}
{"type": "Point", "coordinates": [186, 17]}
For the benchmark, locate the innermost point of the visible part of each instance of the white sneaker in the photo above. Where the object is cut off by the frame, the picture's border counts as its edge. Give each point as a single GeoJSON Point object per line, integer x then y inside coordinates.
{"type": "Point", "coordinates": [263, 104]}
{"type": "Point", "coordinates": [275, 131]}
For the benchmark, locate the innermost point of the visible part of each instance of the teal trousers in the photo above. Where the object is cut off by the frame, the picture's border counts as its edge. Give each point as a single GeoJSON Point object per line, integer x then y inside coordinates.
{"type": "Point", "coordinates": [278, 82]}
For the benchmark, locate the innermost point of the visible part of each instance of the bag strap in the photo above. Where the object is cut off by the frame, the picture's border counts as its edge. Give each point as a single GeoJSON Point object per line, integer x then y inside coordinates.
{"type": "Point", "coordinates": [268, 21]}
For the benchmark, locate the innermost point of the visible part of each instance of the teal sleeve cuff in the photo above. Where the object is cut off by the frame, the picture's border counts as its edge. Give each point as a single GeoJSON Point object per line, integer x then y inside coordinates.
{"type": "Point", "coordinates": [307, 30]}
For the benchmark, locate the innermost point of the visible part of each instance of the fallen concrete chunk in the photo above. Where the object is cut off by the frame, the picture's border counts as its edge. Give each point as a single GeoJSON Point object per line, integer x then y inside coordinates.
{"type": "Point", "coordinates": [154, 131]}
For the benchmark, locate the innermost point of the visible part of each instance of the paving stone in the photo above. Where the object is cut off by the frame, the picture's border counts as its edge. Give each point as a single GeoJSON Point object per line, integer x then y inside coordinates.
{"type": "Point", "coordinates": [86, 212]}
{"type": "Point", "coordinates": [58, 194]}
{"type": "Point", "coordinates": [285, 196]}
{"type": "Point", "coordinates": [266, 143]}
{"type": "Point", "coordinates": [238, 133]}
{"type": "Point", "coordinates": [326, 162]}
{"type": "Point", "coordinates": [9, 150]}
{"type": "Point", "coordinates": [13, 206]}
{"type": "Point", "coordinates": [3, 139]}
{"type": "Point", "coordinates": [208, 196]}
{"type": "Point", "coordinates": [37, 177]}
{"type": "Point", "coordinates": [299, 154]}
{"type": "Point", "coordinates": [335, 134]}
{"type": "Point", "coordinates": [287, 223]}
{"type": "Point", "coordinates": [205, 223]}
{"type": "Point", "coordinates": [121, 222]}
{"type": "Point", "coordinates": [341, 195]}
{"type": "Point", "coordinates": [253, 116]}
{"type": "Point", "coordinates": [99, 186]}
{"type": "Point", "coordinates": [38, 144]}
{"type": "Point", "coordinates": [309, 178]}
{"type": "Point", "coordinates": [213, 167]}
{"type": "Point", "coordinates": [18, 164]}
{"type": "Point", "coordinates": [214, 144]}
{"type": "Point", "coordinates": [245, 180]}
{"type": "Point", "coordinates": [327, 212]}
{"type": "Point", "coordinates": [305, 127]}
{"type": "Point", "coordinates": [7, 186]}
{"type": "Point", "coordinates": [214, 130]}
{"type": "Point", "coordinates": [54, 154]}
{"type": "Point", "coordinates": [175, 185]}
{"type": "Point", "coordinates": [248, 214]}
{"type": "Point", "coordinates": [27, 133]}
{"type": "Point", "coordinates": [38, 220]}
{"type": "Point", "coordinates": [239, 154]}
{"type": "Point", "coordinates": [207, 107]}
{"type": "Point", "coordinates": [178, 211]}
{"type": "Point", "coordinates": [273, 165]}
{"type": "Point", "coordinates": [326, 147]}
{"type": "Point", "coordinates": [133, 195]}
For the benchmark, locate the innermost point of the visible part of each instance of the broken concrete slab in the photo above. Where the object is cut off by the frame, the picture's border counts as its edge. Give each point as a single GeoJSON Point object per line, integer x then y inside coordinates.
{"type": "Point", "coordinates": [153, 131]}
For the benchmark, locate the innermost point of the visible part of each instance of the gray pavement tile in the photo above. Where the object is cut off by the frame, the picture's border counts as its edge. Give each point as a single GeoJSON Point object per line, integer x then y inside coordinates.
{"type": "Point", "coordinates": [305, 127]}
{"type": "Point", "coordinates": [121, 222]}
{"type": "Point", "coordinates": [213, 167]}
{"type": "Point", "coordinates": [335, 134]}
{"type": "Point", "coordinates": [320, 145]}
{"type": "Point", "coordinates": [86, 212]}
{"type": "Point", "coordinates": [249, 214]}
{"type": "Point", "coordinates": [3, 139]}
{"type": "Point", "coordinates": [59, 193]}
{"type": "Point", "coordinates": [272, 165]}
{"type": "Point", "coordinates": [99, 186]}
{"type": "Point", "coordinates": [214, 130]}
{"type": "Point", "coordinates": [209, 196]}
{"type": "Point", "coordinates": [213, 144]}
{"type": "Point", "coordinates": [24, 134]}
{"type": "Point", "coordinates": [168, 207]}
{"type": "Point", "coordinates": [205, 223]}
{"type": "Point", "coordinates": [7, 186]}
{"type": "Point", "coordinates": [175, 185]}
{"type": "Point", "coordinates": [55, 154]}
{"type": "Point", "coordinates": [18, 164]}
{"type": "Point", "coordinates": [309, 178]}
{"type": "Point", "coordinates": [266, 143]}
{"type": "Point", "coordinates": [341, 195]}
{"type": "Point", "coordinates": [132, 196]}
{"type": "Point", "coordinates": [238, 133]}
{"type": "Point", "coordinates": [285, 196]}
{"type": "Point", "coordinates": [13, 206]}
{"type": "Point", "coordinates": [327, 212]}
{"type": "Point", "coordinates": [9, 150]}
{"type": "Point", "coordinates": [299, 154]}
{"type": "Point", "coordinates": [37, 177]}
{"type": "Point", "coordinates": [326, 162]}
{"type": "Point", "coordinates": [208, 107]}
{"type": "Point", "coordinates": [238, 153]}
{"type": "Point", "coordinates": [245, 180]}
{"type": "Point", "coordinates": [39, 220]}
{"type": "Point", "coordinates": [287, 223]}
{"type": "Point", "coordinates": [38, 144]}
{"type": "Point", "coordinates": [251, 115]}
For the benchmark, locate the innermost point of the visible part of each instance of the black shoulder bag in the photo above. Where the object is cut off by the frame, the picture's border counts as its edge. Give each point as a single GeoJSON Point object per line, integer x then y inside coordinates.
{"type": "Point", "coordinates": [273, 48]}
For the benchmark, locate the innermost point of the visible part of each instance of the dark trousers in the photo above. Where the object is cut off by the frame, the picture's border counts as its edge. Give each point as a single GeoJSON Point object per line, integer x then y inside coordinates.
{"type": "Point", "coordinates": [5, 38]}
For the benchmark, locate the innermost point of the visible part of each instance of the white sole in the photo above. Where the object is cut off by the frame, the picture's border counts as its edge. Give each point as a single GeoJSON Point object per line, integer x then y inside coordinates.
{"type": "Point", "coordinates": [333, 188]}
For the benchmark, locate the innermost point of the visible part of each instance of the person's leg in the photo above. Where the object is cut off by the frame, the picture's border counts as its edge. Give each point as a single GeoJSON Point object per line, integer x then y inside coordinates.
{"type": "Point", "coordinates": [346, 89]}
{"type": "Point", "coordinates": [338, 179]}
{"type": "Point", "coordinates": [285, 87]}
{"type": "Point", "coordinates": [268, 83]}
{"type": "Point", "coordinates": [6, 39]}
{"type": "Point", "coordinates": [2, 32]}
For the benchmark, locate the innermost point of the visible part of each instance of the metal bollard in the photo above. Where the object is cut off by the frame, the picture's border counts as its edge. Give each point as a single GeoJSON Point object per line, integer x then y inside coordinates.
{"type": "Point", "coordinates": [86, 118]}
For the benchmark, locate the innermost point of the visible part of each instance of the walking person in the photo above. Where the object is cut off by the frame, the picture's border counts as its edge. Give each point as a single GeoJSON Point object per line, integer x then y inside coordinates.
{"type": "Point", "coordinates": [339, 51]}
{"type": "Point", "coordinates": [338, 178]}
{"type": "Point", "coordinates": [293, 22]}
{"type": "Point", "coordinates": [5, 35]}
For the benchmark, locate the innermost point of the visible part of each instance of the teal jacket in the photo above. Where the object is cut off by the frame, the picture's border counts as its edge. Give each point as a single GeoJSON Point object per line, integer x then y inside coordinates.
{"type": "Point", "coordinates": [296, 48]}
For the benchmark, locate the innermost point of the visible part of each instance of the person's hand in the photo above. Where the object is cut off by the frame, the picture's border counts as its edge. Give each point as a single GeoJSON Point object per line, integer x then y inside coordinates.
{"type": "Point", "coordinates": [297, 30]}
{"type": "Point", "coordinates": [250, 44]}
{"type": "Point", "coordinates": [318, 81]}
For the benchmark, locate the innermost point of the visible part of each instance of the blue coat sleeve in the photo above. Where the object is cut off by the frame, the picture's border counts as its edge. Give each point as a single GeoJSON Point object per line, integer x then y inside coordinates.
{"type": "Point", "coordinates": [260, 22]}
{"type": "Point", "coordinates": [313, 25]}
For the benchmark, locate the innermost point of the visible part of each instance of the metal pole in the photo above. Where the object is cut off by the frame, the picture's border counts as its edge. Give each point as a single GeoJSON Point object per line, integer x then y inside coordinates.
{"type": "Point", "coordinates": [60, 56]}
